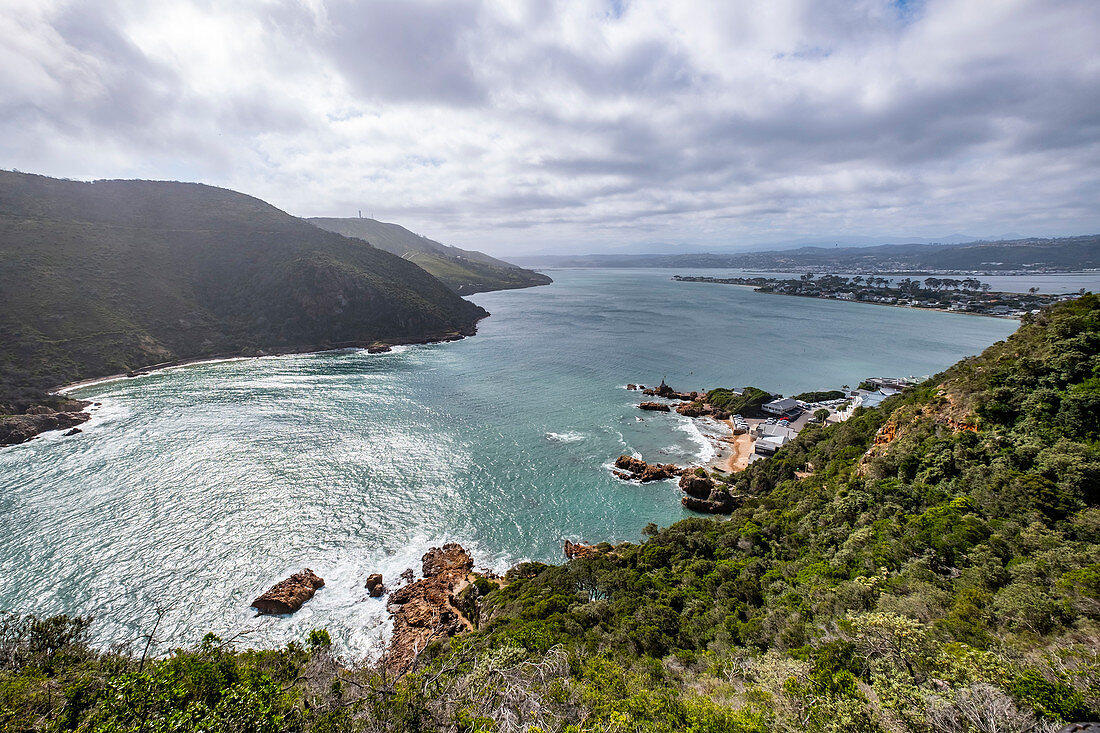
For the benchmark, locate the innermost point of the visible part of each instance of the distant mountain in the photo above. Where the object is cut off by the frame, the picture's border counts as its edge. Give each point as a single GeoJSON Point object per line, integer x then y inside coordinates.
{"type": "Point", "coordinates": [1066, 253]}
{"type": "Point", "coordinates": [464, 271]}
{"type": "Point", "coordinates": [100, 278]}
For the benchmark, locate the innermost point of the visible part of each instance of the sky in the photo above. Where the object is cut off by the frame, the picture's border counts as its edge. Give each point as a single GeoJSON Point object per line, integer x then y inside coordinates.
{"type": "Point", "coordinates": [523, 126]}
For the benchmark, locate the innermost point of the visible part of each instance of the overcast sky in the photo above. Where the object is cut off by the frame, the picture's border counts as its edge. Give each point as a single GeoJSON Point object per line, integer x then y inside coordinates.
{"type": "Point", "coordinates": [518, 126]}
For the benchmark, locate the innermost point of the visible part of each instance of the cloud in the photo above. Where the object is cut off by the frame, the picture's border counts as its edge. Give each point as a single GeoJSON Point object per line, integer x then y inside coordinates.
{"type": "Point", "coordinates": [515, 125]}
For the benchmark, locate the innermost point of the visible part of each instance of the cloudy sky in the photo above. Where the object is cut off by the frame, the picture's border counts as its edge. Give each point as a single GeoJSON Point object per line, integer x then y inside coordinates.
{"type": "Point", "coordinates": [528, 125]}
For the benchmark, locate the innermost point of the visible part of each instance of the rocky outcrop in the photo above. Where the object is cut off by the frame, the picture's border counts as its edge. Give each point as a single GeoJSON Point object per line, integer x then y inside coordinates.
{"type": "Point", "coordinates": [40, 418]}
{"type": "Point", "coordinates": [654, 406]}
{"type": "Point", "coordinates": [630, 468]}
{"type": "Point", "coordinates": [663, 390]}
{"type": "Point", "coordinates": [576, 549]}
{"type": "Point", "coordinates": [695, 485]}
{"type": "Point", "coordinates": [425, 610]}
{"type": "Point", "coordinates": [374, 585]}
{"type": "Point", "coordinates": [287, 596]}
{"type": "Point", "coordinates": [700, 408]}
{"type": "Point", "coordinates": [718, 502]}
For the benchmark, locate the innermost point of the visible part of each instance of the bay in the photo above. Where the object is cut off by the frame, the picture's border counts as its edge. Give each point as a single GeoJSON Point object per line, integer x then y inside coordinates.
{"type": "Point", "coordinates": [197, 487]}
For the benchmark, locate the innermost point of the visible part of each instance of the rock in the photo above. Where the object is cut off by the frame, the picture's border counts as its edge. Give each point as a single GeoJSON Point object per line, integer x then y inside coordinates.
{"type": "Point", "coordinates": [39, 410]}
{"type": "Point", "coordinates": [374, 585]}
{"type": "Point", "coordinates": [576, 549]}
{"type": "Point", "coordinates": [426, 609]}
{"type": "Point", "coordinates": [700, 408]}
{"type": "Point", "coordinates": [660, 472]}
{"type": "Point", "coordinates": [692, 409]}
{"type": "Point", "coordinates": [287, 596]}
{"type": "Point", "coordinates": [451, 560]}
{"type": "Point", "coordinates": [21, 428]}
{"type": "Point", "coordinates": [632, 387]}
{"type": "Point", "coordinates": [718, 502]}
{"type": "Point", "coordinates": [641, 471]}
{"type": "Point", "coordinates": [663, 390]}
{"type": "Point", "coordinates": [695, 485]}
{"type": "Point", "coordinates": [379, 348]}
{"type": "Point", "coordinates": [654, 407]}
{"type": "Point", "coordinates": [74, 431]}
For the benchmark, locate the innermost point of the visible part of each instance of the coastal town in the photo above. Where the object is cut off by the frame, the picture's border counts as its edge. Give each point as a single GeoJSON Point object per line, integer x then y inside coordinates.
{"type": "Point", "coordinates": [746, 425]}
{"type": "Point", "coordinates": [965, 295]}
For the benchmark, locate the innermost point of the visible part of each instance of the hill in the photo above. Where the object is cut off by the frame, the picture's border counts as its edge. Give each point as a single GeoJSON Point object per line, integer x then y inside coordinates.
{"type": "Point", "coordinates": [1034, 255]}
{"type": "Point", "coordinates": [931, 565]}
{"type": "Point", "coordinates": [464, 271]}
{"type": "Point", "coordinates": [100, 278]}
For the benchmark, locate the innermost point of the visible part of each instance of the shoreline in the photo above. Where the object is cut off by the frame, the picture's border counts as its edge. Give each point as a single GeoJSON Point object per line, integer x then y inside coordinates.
{"type": "Point", "coordinates": [19, 429]}
{"type": "Point", "coordinates": [757, 289]}
{"type": "Point", "coordinates": [376, 346]}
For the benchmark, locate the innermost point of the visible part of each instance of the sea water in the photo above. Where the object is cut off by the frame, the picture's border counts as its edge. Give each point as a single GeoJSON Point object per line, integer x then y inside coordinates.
{"type": "Point", "coordinates": [195, 488]}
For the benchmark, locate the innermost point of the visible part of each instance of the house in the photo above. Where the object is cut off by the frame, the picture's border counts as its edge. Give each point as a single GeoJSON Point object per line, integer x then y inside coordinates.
{"type": "Point", "coordinates": [780, 407]}
{"type": "Point", "coordinates": [772, 438]}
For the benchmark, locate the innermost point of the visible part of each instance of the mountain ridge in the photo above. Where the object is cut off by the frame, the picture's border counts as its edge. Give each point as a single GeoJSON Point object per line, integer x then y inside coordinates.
{"type": "Point", "coordinates": [103, 277]}
{"type": "Point", "coordinates": [464, 271]}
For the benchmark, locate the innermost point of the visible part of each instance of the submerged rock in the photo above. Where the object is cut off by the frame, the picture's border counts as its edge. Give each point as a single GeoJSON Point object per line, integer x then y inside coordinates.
{"type": "Point", "coordinates": [287, 596]}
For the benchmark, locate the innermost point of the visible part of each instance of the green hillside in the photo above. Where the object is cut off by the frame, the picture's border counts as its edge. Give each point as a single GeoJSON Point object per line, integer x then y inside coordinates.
{"type": "Point", "coordinates": [932, 567]}
{"type": "Point", "coordinates": [464, 271]}
{"type": "Point", "coordinates": [99, 278]}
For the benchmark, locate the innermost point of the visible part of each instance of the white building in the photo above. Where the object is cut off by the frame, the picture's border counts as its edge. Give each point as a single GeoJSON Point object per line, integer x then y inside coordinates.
{"type": "Point", "coordinates": [780, 406]}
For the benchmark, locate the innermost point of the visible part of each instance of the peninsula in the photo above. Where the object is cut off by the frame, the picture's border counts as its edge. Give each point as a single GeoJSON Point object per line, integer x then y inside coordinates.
{"type": "Point", "coordinates": [967, 295]}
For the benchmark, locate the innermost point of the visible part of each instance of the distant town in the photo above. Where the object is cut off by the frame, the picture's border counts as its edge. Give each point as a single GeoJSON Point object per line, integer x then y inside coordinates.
{"type": "Point", "coordinates": [966, 295]}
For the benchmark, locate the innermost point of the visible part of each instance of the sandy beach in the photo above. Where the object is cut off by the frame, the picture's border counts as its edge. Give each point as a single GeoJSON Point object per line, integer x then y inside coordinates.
{"type": "Point", "coordinates": [732, 452]}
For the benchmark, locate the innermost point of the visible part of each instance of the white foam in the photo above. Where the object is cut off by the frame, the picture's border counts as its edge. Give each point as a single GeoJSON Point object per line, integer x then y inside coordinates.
{"type": "Point", "coordinates": [707, 451]}
{"type": "Point", "coordinates": [565, 437]}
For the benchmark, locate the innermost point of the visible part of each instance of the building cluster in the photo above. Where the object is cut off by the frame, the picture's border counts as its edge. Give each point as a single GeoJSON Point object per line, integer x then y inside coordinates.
{"type": "Point", "coordinates": [965, 296]}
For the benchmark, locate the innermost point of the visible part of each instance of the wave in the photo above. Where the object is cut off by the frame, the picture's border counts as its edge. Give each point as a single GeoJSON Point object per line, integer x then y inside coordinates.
{"type": "Point", "coordinates": [706, 452]}
{"type": "Point", "coordinates": [565, 437]}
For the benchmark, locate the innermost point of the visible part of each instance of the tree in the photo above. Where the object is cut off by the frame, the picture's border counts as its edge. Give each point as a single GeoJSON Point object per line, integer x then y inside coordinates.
{"type": "Point", "coordinates": [821, 414]}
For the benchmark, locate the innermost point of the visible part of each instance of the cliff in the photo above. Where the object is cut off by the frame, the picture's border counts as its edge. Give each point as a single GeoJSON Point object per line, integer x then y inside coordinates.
{"type": "Point", "coordinates": [100, 278]}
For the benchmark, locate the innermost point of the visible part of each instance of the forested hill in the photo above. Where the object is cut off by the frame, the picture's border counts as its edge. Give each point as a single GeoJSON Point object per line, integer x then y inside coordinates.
{"type": "Point", "coordinates": [930, 565]}
{"type": "Point", "coordinates": [464, 271]}
{"type": "Point", "coordinates": [99, 278]}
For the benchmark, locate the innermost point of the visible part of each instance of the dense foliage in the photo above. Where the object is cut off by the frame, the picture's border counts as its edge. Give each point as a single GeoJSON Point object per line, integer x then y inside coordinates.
{"type": "Point", "coordinates": [930, 565]}
{"type": "Point", "coordinates": [832, 394]}
{"type": "Point", "coordinates": [100, 278]}
{"type": "Point", "coordinates": [747, 402]}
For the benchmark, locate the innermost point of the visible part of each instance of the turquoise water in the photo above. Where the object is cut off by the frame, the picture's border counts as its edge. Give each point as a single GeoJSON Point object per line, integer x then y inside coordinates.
{"type": "Point", "coordinates": [199, 486]}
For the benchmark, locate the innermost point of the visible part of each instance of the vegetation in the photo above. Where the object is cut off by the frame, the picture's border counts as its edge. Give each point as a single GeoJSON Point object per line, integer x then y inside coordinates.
{"type": "Point", "coordinates": [932, 567]}
{"type": "Point", "coordinates": [832, 394]}
{"type": "Point", "coordinates": [463, 271]}
{"type": "Point", "coordinates": [182, 271]}
{"type": "Point", "coordinates": [746, 403]}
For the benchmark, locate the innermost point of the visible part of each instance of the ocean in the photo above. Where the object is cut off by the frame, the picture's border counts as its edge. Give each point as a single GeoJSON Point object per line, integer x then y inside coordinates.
{"type": "Point", "coordinates": [195, 488]}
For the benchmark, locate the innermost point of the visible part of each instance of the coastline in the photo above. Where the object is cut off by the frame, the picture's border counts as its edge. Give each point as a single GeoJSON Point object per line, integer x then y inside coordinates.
{"type": "Point", "coordinates": [18, 429]}
{"type": "Point", "coordinates": [375, 346]}
{"type": "Point", "coordinates": [757, 289]}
